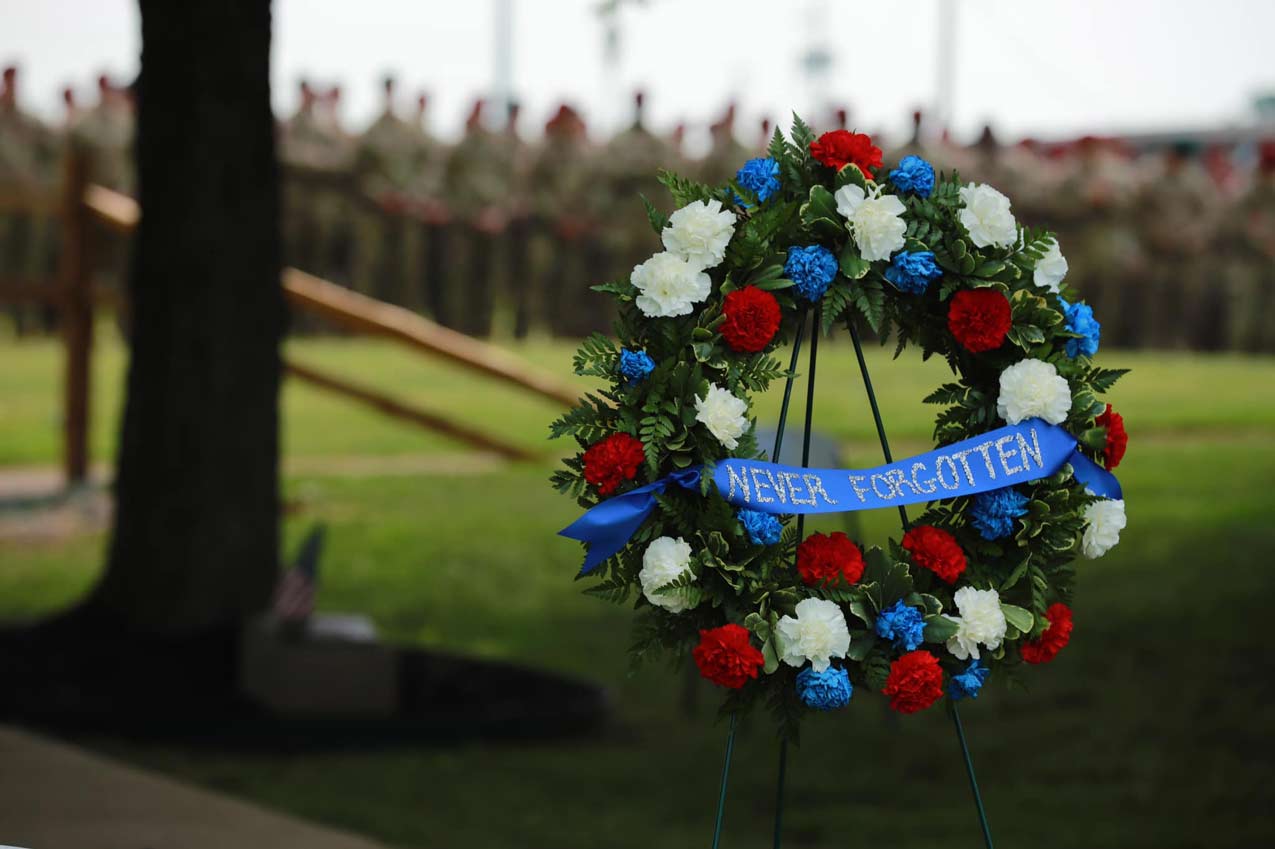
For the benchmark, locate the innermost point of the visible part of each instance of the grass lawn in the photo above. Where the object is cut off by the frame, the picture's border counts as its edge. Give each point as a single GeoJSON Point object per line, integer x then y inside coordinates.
{"type": "Point", "coordinates": [1153, 729]}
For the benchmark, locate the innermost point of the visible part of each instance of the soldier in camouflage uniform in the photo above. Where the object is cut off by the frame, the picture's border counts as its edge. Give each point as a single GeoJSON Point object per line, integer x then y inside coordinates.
{"type": "Point", "coordinates": [428, 244]}
{"type": "Point", "coordinates": [517, 273]}
{"type": "Point", "coordinates": [1179, 215]}
{"type": "Point", "coordinates": [625, 169]}
{"type": "Point", "coordinates": [762, 148]}
{"type": "Point", "coordinates": [1091, 195]}
{"type": "Point", "coordinates": [726, 155]}
{"type": "Point", "coordinates": [105, 135]}
{"type": "Point", "coordinates": [558, 186]}
{"type": "Point", "coordinates": [384, 166]}
{"type": "Point", "coordinates": [28, 169]}
{"type": "Point", "coordinates": [1246, 248]}
{"type": "Point", "coordinates": [477, 180]}
{"type": "Point", "coordinates": [316, 160]}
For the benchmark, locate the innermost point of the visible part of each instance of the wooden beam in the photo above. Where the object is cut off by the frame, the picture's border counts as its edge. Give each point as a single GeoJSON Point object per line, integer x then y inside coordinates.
{"type": "Point", "coordinates": [399, 410]}
{"type": "Point", "coordinates": [368, 315]}
{"type": "Point", "coordinates": [24, 290]}
{"type": "Point", "coordinates": [77, 321]}
{"type": "Point", "coordinates": [117, 211]}
{"type": "Point", "coordinates": [19, 199]}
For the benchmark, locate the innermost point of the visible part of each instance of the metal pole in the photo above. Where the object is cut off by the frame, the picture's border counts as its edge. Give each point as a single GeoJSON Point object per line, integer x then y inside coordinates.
{"type": "Point", "coordinates": [885, 450]}
{"type": "Point", "coordinates": [721, 795]}
{"type": "Point", "coordinates": [779, 442]}
{"type": "Point", "coordinates": [503, 55]}
{"type": "Point", "coordinates": [801, 532]}
{"type": "Point", "coordinates": [945, 65]}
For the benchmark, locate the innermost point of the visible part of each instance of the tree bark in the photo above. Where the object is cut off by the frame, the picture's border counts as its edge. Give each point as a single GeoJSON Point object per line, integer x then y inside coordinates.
{"type": "Point", "coordinates": [196, 534]}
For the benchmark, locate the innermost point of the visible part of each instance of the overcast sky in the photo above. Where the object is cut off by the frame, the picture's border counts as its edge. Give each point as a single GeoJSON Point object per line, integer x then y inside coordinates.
{"type": "Point", "coordinates": [1030, 67]}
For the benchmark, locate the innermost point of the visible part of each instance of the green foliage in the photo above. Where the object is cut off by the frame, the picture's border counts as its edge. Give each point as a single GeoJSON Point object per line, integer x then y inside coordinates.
{"type": "Point", "coordinates": [657, 219]}
{"type": "Point", "coordinates": [684, 190]}
{"type": "Point", "coordinates": [597, 357]}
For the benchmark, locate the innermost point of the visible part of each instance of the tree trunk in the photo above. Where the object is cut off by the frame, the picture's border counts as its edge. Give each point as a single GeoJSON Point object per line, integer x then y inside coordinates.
{"type": "Point", "coordinates": [196, 535]}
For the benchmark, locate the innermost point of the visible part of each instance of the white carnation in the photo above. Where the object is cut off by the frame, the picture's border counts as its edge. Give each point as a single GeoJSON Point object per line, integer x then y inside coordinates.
{"type": "Point", "coordinates": [987, 217]}
{"type": "Point", "coordinates": [669, 285]}
{"type": "Point", "coordinates": [1051, 269]}
{"type": "Point", "coordinates": [665, 560]}
{"type": "Point", "coordinates": [876, 220]}
{"type": "Point", "coordinates": [699, 233]}
{"type": "Point", "coordinates": [817, 634]}
{"type": "Point", "coordinates": [1033, 389]}
{"type": "Point", "coordinates": [1105, 520]}
{"type": "Point", "coordinates": [981, 622]}
{"type": "Point", "coordinates": [723, 414]}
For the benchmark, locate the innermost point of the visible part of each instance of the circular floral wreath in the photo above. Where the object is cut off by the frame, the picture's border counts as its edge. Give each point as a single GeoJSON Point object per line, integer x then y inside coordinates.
{"type": "Point", "coordinates": [977, 583]}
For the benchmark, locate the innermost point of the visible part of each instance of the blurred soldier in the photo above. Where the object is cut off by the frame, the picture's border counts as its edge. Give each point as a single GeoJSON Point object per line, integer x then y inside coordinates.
{"type": "Point", "coordinates": [1247, 248]}
{"type": "Point", "coordinates": [28, 172]}
{"type": "Point", "coordinates": [1179, 216]}
{"type": "Point", "coordinates": [1095, 194]}
{"type": "Point", "coordinates": [913, 146]}
{"type": "Point", "coordinates": [335, 206]}
{"type": "Point", "coordinates": [626, 169]}
{"type": "Point", "coordinates": [477, 181]}
{"type": "Point", "coordinates": [558, 186]}
{"type": "Point", "coordinates": [428, 256]}
{"type": "Point", "coordinates": [383, 171]}
{"type": "Point", "coordinates": [316, 160]}
{"type": "Point", "coordinates": [763, 140]}
{"type": "Point", "coordinates": [726, 155]}
{"type": "Point", "coordinates": [429, 155]}
{"type": "Point", "coordinates": [518, 274]}
{"type": "Point", "coordinates": [105, 135]}
{"type": "Point", "coordinates": [302, 153]}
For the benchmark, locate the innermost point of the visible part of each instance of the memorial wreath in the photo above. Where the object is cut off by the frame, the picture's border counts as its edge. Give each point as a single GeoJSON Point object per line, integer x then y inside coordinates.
{"type": "Point", "coordinates": [685, 514]}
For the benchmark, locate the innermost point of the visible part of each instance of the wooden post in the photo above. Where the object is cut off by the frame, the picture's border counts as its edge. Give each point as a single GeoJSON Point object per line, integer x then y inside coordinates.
{"type": "Point", "coordinates": [77, 320]}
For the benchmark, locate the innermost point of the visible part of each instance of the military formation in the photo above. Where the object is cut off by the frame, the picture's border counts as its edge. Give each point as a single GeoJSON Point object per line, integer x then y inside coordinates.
{"type": "Point", "coordinates": [503, 231]}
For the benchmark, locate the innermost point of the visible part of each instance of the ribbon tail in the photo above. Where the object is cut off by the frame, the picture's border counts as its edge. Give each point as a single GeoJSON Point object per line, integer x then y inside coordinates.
{"type": "Point", "coordinates": [1095, 478]}
{"type": "Point", "coordinates": [607, 527]}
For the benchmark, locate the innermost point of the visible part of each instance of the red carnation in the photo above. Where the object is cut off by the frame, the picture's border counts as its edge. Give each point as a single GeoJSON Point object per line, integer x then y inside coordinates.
{"type": "Point", "coordinates": [1046, 647]}
{"type": "Point", "coordinates": [979, 318]}
{"type": "Point", "coordinates": [726, 657]}
{"type": "Point", "coordinates": [1117, 439]}
{"type": "Point", "coordinates": [915, 682]}
{"type": "Point", "coordinates": [752, 319]}
{"type": "Point", "coordinates": [822, 559]}
{"type": "Point", "coordinates": [611, 462]}
{"type": "Point", "coordinates": [935, 549]}
{"type": "Point", "coordinates": [840, 148]}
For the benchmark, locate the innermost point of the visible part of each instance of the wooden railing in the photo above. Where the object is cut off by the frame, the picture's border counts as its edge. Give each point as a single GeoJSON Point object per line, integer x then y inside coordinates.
{"type": "Point", "coordinates": [73, 294]}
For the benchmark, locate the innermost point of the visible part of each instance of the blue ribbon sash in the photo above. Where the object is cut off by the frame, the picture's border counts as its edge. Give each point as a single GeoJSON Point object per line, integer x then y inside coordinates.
{"type": "Point", "coordinates": [1003, 457]}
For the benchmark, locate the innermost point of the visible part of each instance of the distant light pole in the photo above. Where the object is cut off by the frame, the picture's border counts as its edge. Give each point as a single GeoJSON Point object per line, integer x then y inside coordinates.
{"type": "Point", "coordinates": [945, 66]}
{"type": "Point", "coordinates": [503, 57]}
{"type": "Point", "coordinates": [817, 60]}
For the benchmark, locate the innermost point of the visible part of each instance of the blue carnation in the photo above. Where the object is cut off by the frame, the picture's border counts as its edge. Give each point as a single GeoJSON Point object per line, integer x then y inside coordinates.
{"type": "Point", "coordinates": [913, 271]}
{"type": "Point", "coordinates": [636, 366]}
{"type": "Point", "coordinates": [965, 685]}
{"type": "Point", "coordinates": [902, 625]}
{"type": "Point", "coordinates": [811, 269]}
{"type": "Point", "coordinates": [994, 512]}
{"type": "Point", "coordinates": [1080, 320]}
{"type": "Point", "coordinates": [762, 528]}
{"type": "Point", "coordinates": [914, 175]}
{"type": "Point", "coordinates": [827, 690]}
{"type": "Point", "coordinates": [761, 177]}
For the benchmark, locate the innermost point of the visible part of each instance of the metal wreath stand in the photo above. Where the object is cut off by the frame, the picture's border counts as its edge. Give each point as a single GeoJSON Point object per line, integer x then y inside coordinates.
{"type": "Point", "coordinates": [903, 515]}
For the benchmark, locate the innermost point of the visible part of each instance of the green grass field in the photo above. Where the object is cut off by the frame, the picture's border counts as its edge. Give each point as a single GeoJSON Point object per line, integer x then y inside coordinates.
{"type": "Point", "coordinates": [1153, 729]}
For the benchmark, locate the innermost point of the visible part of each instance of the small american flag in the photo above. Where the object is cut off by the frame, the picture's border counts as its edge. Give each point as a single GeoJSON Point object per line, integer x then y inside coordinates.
{"type": "Point", "coordinates": [294, 595]}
